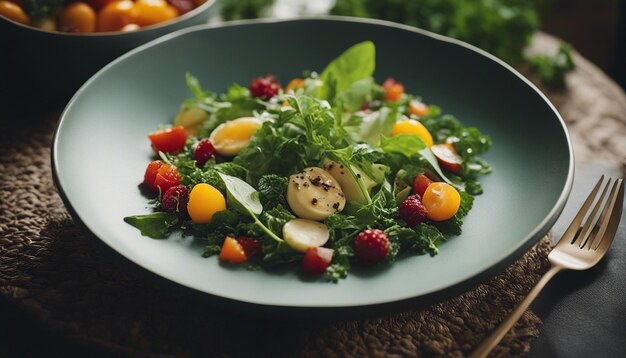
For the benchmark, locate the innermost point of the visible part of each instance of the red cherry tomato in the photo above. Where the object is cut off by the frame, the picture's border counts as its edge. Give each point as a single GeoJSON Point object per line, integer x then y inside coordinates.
{"type": "Point", "coordinates": [151, 173]}
{"type": "Point", "coordinates": [420, 183]}
{"type": "Point", "coordinates": [167, 177]}
{"type": "Point", "coordinates": [448, 157]}
{"type": "Point", "coordinates": [169, 140]}
{"type": "Point", "coordinates": [316, 260]}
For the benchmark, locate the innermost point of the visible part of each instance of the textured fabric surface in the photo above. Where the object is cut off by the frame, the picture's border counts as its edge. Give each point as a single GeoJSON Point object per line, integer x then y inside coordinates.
{"type": "Point", "coordinates": [75, 286]}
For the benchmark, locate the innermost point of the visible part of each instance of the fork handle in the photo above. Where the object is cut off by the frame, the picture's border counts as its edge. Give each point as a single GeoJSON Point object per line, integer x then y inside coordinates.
{"type": "Point", "coordinates": [496, 336]}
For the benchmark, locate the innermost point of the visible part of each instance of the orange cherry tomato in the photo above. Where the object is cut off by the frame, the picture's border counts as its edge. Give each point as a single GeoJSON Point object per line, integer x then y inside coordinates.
{"type": "Point", "coordinates": [169, 140]}
{"type": "Point", "coordinates": [13, 12]}
{"type": "Point", "coordinates": [448, 157]}
{"type": "Point", "coordinates": [77, 17]}
{"type": "Point", "coordinates": [232, 251]}
{"type": "Point", "coordinates": [441, 200]}
{"type": "Point", "coordinates": [166, 177]}
{"type": "Point", "coordinates": [393, 90]}
{"type": "Point", "coordinates": [420, 183]}
{"type": "Point", "coordinates": [150, 12]}
{"type": "Point", "coordinates": [151, 172]}
{"type": "Point", "coordinates": [418, 108]}
{"type": "Point", "coordinates": [116, 15]}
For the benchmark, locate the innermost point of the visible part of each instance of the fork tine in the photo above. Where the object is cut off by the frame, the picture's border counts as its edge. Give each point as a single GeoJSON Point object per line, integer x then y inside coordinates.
{"type": "Point", "coordinates": [569, 234]}
{"type": "Point", "coordinates": [610, 224]}
{"type": "Point", "coordinates": [593, 218]}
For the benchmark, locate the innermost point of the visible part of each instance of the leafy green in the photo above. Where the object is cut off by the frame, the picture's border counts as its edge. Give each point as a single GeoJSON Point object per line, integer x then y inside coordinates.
{"type": "Point", "coordinates": [276, 218]}
{"type": "Point", "coordinates": [245, 198]}
{"type": "Point", "coordinates": [408, 145]}
{"type": "Point", "coordinates": [242, 9]}
{"type": "Point", "coordinates": [272, 190]}
{"type": "Point", "coordinates": [355, 64]}
{"type": "Point", "coordinates": [155, 225]}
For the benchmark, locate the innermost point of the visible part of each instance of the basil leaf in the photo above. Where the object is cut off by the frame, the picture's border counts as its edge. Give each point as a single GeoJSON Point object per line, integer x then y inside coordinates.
{"type": "Point", "coordinates": [244, 197]}
{"type": "Point", "coordinates": [242, 194]}
{"type": "Point", "coordinates": [156, 225]}
{"type": "Point", "coordinates": [356, 63]}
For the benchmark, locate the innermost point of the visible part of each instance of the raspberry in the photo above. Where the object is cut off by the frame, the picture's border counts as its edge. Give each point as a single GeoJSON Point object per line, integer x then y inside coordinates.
{"type": "Point", "coordinates": [203, 152]}
{"type": "Point", "coordinates": [175, 200]}
{"type": "Point", "coordinates": [264, 87]}
{"type": "Point", "coordinates": [412, 211]}
{"type": "Point", "coordinates": [371, 246]}
{"type": "Point", "coordinates": [250, 245]}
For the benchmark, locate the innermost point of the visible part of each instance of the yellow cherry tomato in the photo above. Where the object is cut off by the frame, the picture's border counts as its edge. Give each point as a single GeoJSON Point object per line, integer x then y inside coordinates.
{"type": "Point", "coordinates": [116, 15]}
{"type": "Point", "coordinates": [13, 12]}
{"type": "Point", "coordinates": [411, 126]}
{"type": "Point", "coordinates": [150, 12]}
{"type": "Point", "coordinates": [441, 201]}
{"type": "Point", "coordinates": [204, 202]}
{"type": "Point", "coordinates": [77, 17]}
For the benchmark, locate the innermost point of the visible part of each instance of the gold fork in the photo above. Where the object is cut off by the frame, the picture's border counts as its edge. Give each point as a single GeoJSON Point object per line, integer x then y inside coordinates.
{"type": "Point", "coordinates": [580, 248]}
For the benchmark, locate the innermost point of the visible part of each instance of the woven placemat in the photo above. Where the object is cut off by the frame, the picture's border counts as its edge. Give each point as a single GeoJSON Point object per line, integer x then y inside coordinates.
{"type": "Point", "coordinates": [70, 282]}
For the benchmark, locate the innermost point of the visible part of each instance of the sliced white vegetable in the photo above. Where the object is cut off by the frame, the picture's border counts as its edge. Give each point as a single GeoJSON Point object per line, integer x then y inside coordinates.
{"type": "Point", "coordinates": [348, 183]}
{"type": "Point", "coordinates": [231, 137]}
{"type": "Point", "coordinates": [191, 119]}
{"type": "Point", "coordinates": [314, 194]}
{"type": "Point", "coordinates": [300, 234]}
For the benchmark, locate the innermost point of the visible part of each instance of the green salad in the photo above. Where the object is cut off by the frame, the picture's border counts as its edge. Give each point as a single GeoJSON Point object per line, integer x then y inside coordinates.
{"type": "Point", "coordinates": [330, 171]}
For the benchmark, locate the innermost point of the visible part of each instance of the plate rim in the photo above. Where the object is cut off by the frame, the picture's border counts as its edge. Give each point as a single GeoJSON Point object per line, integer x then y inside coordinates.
{"type": "Point", "coordinates": [435, 294]}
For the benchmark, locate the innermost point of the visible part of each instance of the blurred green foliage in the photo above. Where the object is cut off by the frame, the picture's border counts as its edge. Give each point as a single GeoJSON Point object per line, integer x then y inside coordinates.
{"type": "Point", "coordinates": [500, 27]}
{"type": "Point", "coordinates": [242, 9]}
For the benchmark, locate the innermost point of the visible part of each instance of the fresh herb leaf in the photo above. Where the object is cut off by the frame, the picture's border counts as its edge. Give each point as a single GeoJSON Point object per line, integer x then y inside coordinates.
{"type": "Point", "coordinates": [272, 190]}
{"type": "Point", "coordinates": [356, 63]}
{"type": "Point", "coordinates": [245, 198]}
{"type": "Point", "coordinates": [156, 225]}
{"type": "Point", "coordinates": [241, 195]}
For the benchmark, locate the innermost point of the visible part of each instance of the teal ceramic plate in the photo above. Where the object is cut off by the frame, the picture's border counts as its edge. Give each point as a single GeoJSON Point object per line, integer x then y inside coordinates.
{"type": "Point", "coordinates": [100, 152]}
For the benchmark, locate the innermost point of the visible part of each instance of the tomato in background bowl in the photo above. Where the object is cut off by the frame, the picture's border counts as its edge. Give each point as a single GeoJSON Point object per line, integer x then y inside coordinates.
{"type": "Point", "coordinates": [42, 69]}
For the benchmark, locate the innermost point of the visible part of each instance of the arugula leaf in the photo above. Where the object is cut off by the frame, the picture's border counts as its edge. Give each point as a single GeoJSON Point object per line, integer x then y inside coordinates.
{"type": "Point", "coordinates": [156, 225]}
{"type": "Point", "coordinates": [356, 63]}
